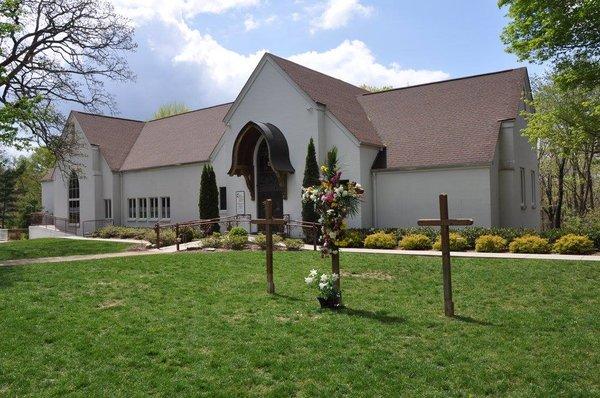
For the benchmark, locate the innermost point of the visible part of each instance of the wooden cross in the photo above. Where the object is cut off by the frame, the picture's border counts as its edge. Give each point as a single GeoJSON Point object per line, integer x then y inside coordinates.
{"type": "Point", "coordinates": [269, 221]}
{"type": "Point", "coordinates": [444, 223]}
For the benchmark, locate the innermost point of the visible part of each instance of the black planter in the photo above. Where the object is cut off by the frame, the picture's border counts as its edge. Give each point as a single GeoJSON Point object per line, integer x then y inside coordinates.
{"type": "Point", "coordinates": [329, 302]}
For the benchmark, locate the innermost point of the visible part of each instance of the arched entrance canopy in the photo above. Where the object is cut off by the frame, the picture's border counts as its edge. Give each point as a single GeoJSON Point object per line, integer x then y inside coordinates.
{"type": "Point", "coordinates": [242, 158]}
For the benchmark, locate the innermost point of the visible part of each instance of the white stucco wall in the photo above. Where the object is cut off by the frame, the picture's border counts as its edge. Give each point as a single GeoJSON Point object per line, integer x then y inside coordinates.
{"type": "Point", "coordinates": [516, 153]}
{"type": "Point", "coordinates": [48, 196]}
{"type": "Point", "coordinates": [273, 98]}
{"type": "Point", "coordinates": [180, 183]}
{"type": "Point", "coordinates": [403, 197]}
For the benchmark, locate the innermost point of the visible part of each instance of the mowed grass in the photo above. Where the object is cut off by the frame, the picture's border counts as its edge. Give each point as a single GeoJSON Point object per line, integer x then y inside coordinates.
{"type": "Point", "coordinates": [201, 324]}
{"type": "Point", "coordinates": [53, 247]}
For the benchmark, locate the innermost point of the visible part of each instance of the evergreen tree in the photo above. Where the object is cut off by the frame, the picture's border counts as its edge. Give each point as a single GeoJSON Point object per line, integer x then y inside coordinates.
{"type": "Point", "coordinates": [311, 178]}
{"type": "Point", "coordinates": [209, 196]}
{"type": "Point", "coordinates": [9, 176]}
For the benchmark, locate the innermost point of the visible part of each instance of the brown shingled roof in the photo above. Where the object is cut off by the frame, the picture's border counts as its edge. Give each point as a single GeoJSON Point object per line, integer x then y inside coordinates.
{"type": "Point", "coordinates": [185, 138]}
{"type": "Point", "coordinates": [339, 97]}
{"type": "Point", "coordinates": [114, 136]}
{"type": "Point", "coordinates": [445, 123]}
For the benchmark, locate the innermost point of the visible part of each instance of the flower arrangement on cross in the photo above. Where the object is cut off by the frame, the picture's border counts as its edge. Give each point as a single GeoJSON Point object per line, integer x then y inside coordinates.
{"type": "Point", "coordinates": [334, 201]}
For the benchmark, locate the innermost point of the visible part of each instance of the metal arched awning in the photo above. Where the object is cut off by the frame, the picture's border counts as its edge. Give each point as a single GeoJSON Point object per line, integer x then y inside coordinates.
{"type": "Point", "coordinates": [242, 158]}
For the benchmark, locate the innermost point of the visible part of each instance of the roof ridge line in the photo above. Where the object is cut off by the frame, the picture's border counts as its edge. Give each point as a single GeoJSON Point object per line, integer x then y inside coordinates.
{"type": "Point", "coordinates": [109, 116]}
{"type": "Point", "coordinates": [444, 81]}
{"type": "Point", "coordinates": [316, 71]}
{"type": "Point", "coordinates": [190, 111]}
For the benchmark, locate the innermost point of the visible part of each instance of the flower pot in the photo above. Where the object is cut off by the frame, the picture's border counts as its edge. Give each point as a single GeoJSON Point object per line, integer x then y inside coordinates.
{"type": "Point", "coordinates": [329, 302]}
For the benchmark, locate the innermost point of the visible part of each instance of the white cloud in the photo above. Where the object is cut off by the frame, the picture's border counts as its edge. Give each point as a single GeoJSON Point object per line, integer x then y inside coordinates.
{"type": "Point", "coordinates": [250, 23]}
{"type": "Point", "coordinates": [220, 73]}
{"type": "Point", "coordinates": [296, 16]}
{"type": "Point", "coordinates": [337, 13]}
{"type": "Point", "coordinates": [353, 61]}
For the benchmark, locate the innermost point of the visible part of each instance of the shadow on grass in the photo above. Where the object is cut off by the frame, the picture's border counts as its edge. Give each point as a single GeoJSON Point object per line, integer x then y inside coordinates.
{"type": "Point", "coordinates": [9, 275]}
{"type": "Point", "coordinates": [468, 319]}
{"type": "Point", "coordinates": [283, 296]}
{"type": "Point", "coordinates": [380, 316]}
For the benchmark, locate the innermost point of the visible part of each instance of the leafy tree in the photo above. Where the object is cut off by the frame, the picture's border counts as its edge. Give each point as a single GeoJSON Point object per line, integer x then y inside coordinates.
{"type": "Point", "coordinates": [375, 89]}
{"type": "Point", "coordinates": [9, 175]}
{"type": "Point", "coordinates": [311, 178]}
{"type": "Point", "coordinates": [565, 126]}
{"type": "Point", "coordinates": [57, 51]}
{"type": "Point", "coordinates": [170, 109]}
{"type": "Point", "coordinates": [565, 32]}
{"type": "Point", "coordinates": [209, 196]}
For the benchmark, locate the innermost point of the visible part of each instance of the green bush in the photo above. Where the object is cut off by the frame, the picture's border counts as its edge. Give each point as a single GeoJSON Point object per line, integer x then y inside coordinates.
{"type": "Point", "coordinates": [458, 243]}
{"type": "Point", "coordinates": [490, 244]}
{"type": "Point", "coordinates": [167, 237]}
{"type": "Point", "coordinates": [238, 231]}
{"type": "Point", "coordinates": [573, 244]}
{"type": "Point", "coordinates": [351, 238]}
{"type": "Point", "coordinates": [430, 232]}
{"type": "Point", "coordinates": [381, 240]}
{"type": "Point", "coordinates": [529, 244]}
{"type": "Point", "coordinates": [472, 233]}
{"type": "Point", "coordinates": [415, 242]}
{"type": "Point", "coordinates": [234, 242]}
{"type": "Point", "coordinates": [113, 231]}
{"type": "Point", "coordinates": [261, 240]}
{"type": "Point", "coordinates": [188, 234]}
{"type": "Point", "coordinates": [293, 244]}
{"type": "Point", "coordinates": [213, 241]}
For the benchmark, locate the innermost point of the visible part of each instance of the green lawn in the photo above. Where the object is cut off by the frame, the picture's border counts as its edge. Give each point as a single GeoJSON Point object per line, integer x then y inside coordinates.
{"type": "Point", "coordinates": [50, 247]}
{"type": "Point", "coordinates": [201, 324]}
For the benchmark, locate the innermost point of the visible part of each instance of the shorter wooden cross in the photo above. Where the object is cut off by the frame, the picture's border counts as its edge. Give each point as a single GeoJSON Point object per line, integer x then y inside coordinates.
{"type": "Point", "coordinates": [269, 221]}
{"type": "Point", "coordinates": [444, 223]}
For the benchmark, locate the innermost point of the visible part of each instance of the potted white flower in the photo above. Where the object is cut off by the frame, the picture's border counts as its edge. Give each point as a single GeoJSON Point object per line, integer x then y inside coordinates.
{"type": "Point", "coordinates": [325, 284]}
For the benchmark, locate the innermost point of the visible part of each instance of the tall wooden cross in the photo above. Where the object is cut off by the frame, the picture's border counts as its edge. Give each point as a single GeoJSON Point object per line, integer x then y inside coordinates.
{"type": "Point", "coordinates": [268, 222]}
{"type": "Point", "coordinates": [444, 223]}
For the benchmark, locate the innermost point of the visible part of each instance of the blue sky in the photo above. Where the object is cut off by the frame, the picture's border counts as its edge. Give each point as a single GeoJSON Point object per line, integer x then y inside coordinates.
{"type": "Point", "coordinates": [201, 52]}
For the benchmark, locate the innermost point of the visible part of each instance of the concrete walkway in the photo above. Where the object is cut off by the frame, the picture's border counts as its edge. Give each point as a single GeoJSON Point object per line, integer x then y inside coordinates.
{"type": "Point", "coordinates": [434, 253]}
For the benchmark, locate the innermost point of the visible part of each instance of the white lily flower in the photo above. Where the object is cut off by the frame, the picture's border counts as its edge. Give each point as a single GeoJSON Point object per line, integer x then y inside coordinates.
{"type": "Point", "coordinates": [309, 280]}
{"type": "Point", "coordinates": [322, 285]}
{"type": "Point", "coordinates": [313, 273]}
{"type": "Point", "coordinates": [324, 278]}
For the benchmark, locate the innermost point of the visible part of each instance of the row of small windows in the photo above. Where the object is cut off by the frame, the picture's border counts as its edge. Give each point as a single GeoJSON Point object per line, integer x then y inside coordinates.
{"type": "Point", "coordinates": [533, 183]}
{"type": "Point", "coordinates": [138, 208]}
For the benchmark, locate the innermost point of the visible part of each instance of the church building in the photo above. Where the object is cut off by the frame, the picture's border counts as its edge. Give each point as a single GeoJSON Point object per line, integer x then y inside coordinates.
{"type": "Point", "coordinates": [404, 146]}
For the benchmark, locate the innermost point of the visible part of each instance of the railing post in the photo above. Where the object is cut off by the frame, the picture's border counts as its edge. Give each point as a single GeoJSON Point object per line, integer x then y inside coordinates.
{"type": "Point", "coordinates": [157, 229]}
{"type": "Point", "coordinates": [177, 236]}
{"type": "Point", "coordinates": [315, 237]}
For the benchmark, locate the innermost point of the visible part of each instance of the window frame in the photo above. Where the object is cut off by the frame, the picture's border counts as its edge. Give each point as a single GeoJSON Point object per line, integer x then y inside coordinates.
{"type": "Point", "coordinates": [74, 200]}
{"type": "Point", "coordinates": [132, 209]}
{"type": "Point", "coordinates": [142, 208]}
{"type": "Point", "coordinates": [165, 215]}
{"type": "Point", "coordinates": [523, 188]}
{"type": "Point", "coordinates": [108, 209]}
{"type": "Point", "coordinates": [153, 208]}
{"type": "Point", "coordinates": [222, 198]}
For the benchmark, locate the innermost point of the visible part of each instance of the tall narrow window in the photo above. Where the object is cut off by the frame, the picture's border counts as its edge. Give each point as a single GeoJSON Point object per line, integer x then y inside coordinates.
{"type": "Point", "coordinates": [533, 189]}
{"type": "Point", "coordinates": [523, 199]}
{"type": "Point", "coordinates": [107, 208]}
{"type": "Point", "coordinates": [165, 208]}
{"type": "Point", "coordinates": [142, 208]}
{"type": "Point", "coordinates": [223, 198]}
{"type": "Point", "coordinates": [73, 199]}
{"type": "Point", "coordinates": [132, 211]}
{"type": "Point", "coordinates": [154, 208]}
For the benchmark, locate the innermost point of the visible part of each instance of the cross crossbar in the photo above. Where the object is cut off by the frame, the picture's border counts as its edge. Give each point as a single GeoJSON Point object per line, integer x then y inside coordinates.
{"type": "Point", "coordinates": [433, 222]}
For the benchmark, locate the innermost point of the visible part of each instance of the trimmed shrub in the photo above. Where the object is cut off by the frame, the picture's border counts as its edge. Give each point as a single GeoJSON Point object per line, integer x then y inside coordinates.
{"type": "Point", "coordinates": [167, 237]}
{"type": "Point", "coordinates": [234, 242]}
{"type": "Point", "coordinates": [458, 243]}
{"type": "Point", "coordinates": [238, 231]}
{"type": "Point", "coordinates": [415, 242]}
{"type": "Point", "coordinates": [573, 244]}
{"type": "Point", "coordinates": [293, 244]}
{"type": "Point", "coordinates": [113, 231]}
{"type": "Point", "coordinates": [352, 238]}
{"type": "Point", "coordinates": [261, 240]}
{"type": "Point", "coordinates": [430, 232]}
{"type": "Point", "coordinates": [213, 241]}
{"type": "Point", "coordinates": [188, 234]}
{"type": "Point", "coordinates": [490, 244]}
{"type": "Point", "coordinates": [381, 240]}
{"type": "Point", "coordinates": [208, 202]}
{"type": "Point", "coordinates": [311, 178]}
{"type": "Point", "coordinates": [472, 233]}
{"type": "Point", "coordinates": [529, 244]}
